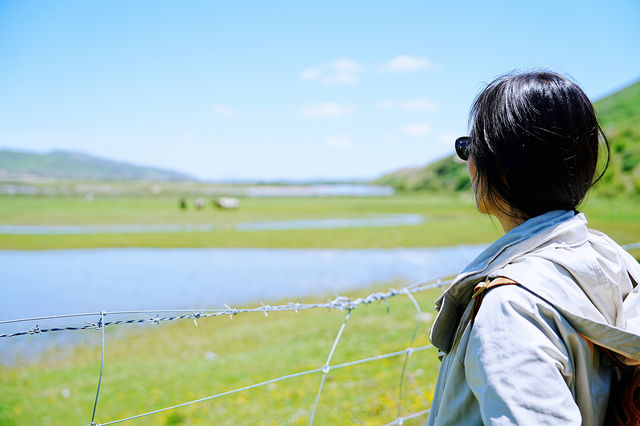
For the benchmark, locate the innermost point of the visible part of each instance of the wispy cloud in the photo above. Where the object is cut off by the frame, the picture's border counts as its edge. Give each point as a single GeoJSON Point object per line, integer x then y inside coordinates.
{"type": "Point", "coordinates": [327, 110]}
{"type": "Point", "coordinates": [416, 129]}
{"type": "Point", "coordinates": [418, 104]}
{"type": "Point", "coordinates": [349, 70]}
{"type": "Point", "coordinates": [341, 142]}
{"type": "Point", "coordinates": [224, 110]}
{"type": "Point", "coordinates": [406, 63]}
{"type": "Point", "coordinates": [338, 71]}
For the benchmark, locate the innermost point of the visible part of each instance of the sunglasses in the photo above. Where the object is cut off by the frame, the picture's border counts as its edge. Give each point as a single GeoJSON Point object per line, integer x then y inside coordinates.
{"type": "Point", "coordinates": [462, 147]}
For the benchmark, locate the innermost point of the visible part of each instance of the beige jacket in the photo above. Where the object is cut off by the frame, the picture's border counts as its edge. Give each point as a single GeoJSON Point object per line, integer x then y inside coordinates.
{"type": "Point", "coordinates": [525, 361]}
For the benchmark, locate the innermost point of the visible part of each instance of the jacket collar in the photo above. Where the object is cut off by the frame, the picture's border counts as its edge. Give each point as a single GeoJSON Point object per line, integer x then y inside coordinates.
{"type": "Point", "coordinates": [522, 239]}
{"type": "Point", "coordinates": [533, 227]}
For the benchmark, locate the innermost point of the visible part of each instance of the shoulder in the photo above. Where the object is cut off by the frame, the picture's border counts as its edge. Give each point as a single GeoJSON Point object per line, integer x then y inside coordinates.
{"type": "Point", "coordinates": [511, 311]}
{"type": "Point", "coordinates": [513, 299]}
{"type": "Point", "coordinates": [514, 326]}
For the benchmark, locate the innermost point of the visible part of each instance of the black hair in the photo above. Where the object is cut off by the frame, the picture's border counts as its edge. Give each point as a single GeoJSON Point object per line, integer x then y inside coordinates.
{"type": "Point", "coordinates": [535, 140]}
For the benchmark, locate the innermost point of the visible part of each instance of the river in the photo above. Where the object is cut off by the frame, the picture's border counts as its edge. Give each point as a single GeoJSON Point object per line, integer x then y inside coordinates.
{"type": "Point", "coordinates": [51, 282]}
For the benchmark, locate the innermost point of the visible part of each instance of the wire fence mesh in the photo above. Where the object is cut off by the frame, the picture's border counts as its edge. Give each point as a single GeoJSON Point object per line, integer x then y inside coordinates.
{"type": "Point", "coordinates": [340, 303]}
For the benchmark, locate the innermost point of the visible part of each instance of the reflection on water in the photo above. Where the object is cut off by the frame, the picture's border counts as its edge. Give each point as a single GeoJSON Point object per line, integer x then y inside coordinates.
{"type": "Point", "coordinates": [373, 221]}
{"type": "Point", "coordinates": [370, 221]}
{"type": "Point", "coordinates": [37, 283]}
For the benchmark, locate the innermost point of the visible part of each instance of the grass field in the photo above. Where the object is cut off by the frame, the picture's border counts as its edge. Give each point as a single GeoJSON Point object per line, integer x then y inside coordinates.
{"type": "Point", "coordinates": [449, 220]}
{"type": "Point", "coordinates": [151, 367]}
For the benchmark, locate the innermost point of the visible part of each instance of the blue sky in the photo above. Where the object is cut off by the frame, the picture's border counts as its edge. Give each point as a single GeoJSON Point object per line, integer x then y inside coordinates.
{"type": "Point", "coordinates": [285, 90]}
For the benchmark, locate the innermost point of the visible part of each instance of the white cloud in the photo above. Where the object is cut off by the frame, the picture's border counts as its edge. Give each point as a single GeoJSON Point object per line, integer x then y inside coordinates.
{"type": "Point", "coordinates": [327, 110]}
{"type": "Point", "coordinates": [310, 74]}
{"type": "Point", "coordinates": [419, 104]}
{"type": "Point", "coordinates": [385, 104]}
{"type": "Point", "coordinates": [406, 63]}
{"type": "Point", "coordinates": [416, 129]}
{"type": "Point", "coordinates": [224, 110]}
{"type": "Point", "coordinates": [341, 142]}
{"type": "Point", "coordinates": [339, 71]}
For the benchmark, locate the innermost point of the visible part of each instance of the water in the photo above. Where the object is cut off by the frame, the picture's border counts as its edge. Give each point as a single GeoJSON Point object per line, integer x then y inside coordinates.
{"type": "Point", "coordinates": [40, 283]}
{"type": "Point", "coordinates": [369, 221]}
{"type": "Point", "coordinates": [37, 283]}
{"type": "Point", "coordinates": [366, 222]}
{"type": "Point", "coordinates": [264, 190]}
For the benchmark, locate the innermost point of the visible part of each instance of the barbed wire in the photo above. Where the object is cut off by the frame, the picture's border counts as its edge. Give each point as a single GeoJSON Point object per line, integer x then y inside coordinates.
{"type": "Point", "coordinates": [339, 302]}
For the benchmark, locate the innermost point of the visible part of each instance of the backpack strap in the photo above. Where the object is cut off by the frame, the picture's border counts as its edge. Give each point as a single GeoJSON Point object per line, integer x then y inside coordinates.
{"type": "Point", "coordinates": [481, 289]}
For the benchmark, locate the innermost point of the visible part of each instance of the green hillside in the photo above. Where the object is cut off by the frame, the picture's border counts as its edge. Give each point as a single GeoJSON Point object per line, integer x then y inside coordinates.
{"type": "Point", "coordinates": [619, 115]}
{"type": "Point", "coordinates": [73, 165]}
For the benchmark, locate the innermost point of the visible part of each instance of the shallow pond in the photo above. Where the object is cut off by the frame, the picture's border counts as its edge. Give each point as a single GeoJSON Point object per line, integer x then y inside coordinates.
{"type": "Point", "coordinates": [40, 283]}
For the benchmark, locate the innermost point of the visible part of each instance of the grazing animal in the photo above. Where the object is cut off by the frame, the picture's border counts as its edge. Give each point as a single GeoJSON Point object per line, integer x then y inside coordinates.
{"type": "Point", "coordinates": [198, 203]}
{"type": "Point", "coordinates": [227, 203]}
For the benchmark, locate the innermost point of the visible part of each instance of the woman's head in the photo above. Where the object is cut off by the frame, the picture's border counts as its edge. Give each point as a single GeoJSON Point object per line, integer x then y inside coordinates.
{"type": "Point", "coordinates": [534, 144]}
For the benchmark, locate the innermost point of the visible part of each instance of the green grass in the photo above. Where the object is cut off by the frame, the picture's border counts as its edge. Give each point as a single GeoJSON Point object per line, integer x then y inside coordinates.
{"type": "Point", "coordinates": [164, 210]}
{"type": "Point", "coordinates": [152, 367]}
{"type": "Point", "coordinates": [450, 219]}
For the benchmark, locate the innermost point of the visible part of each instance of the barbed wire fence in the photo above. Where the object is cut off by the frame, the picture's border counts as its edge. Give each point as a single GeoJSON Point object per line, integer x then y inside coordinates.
{"type": "Point", "coordinates": [339, 303]}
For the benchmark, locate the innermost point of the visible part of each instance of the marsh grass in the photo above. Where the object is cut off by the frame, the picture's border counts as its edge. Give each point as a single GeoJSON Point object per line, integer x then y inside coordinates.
{"type": "Point", "coordinates": [150, 367]}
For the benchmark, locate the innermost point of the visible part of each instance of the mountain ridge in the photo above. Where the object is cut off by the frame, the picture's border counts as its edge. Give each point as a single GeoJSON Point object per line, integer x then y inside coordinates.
{"type": "Point", "coordinates": [75, 165]}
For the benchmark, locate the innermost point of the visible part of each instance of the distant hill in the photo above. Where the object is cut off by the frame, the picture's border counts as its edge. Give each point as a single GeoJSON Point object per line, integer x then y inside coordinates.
{"type": "Point", "coordinates": [447, 174]}
{"type": "Point", "coordinates": [74, 165]}
{"type": "Point", "coordinates": [619, 115]}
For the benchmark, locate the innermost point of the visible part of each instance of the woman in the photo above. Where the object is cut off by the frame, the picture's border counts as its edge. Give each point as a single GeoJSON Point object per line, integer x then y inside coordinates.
{"type": "Point", "coordinates": [530, 354]}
